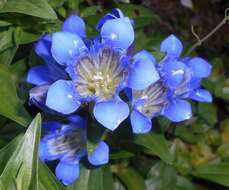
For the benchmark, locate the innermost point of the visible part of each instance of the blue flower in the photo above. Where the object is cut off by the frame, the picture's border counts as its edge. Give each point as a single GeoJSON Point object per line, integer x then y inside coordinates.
{"type": "Point", "coordinates": [159, 89]}
{"type": "Point", "coordinates": [183, 75]}
{"type": "Point", "coordinates": [97, 68]}
{"type": "Point", "coordinates": [67, 143]}
{"type": "Point", "coordinates": [42, 76]}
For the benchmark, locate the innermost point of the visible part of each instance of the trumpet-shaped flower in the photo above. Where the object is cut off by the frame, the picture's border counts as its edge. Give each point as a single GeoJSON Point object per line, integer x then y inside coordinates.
{"type": "Point", "coordinates": [67, 143]}
{"type": "Point", "coordinates": [159, 89]}
{"type": "Point", "coordinates": [97, 68]}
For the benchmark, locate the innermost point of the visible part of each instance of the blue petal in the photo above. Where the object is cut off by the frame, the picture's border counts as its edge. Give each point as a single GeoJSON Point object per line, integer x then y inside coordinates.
{"type": "Point", "coordinates": [51, 126]}
{"type": "Point", "coordinates": [172, 46]}
{"type": "Point", "coordinates": [128, 93]}
{"type": "Point", "coordinates": [103, 20]}
{"type": "Point", "coordinates": [201, 95]}
{"type": "Point", "coordinates": [77, 120]}
{"type": "Point", "coordinates": [39, 75]}
{"type": "Point", "coordinates": [174, 72]}
{"type": "Point", "coordinates": [37, 95]}
{"type": "Point", "coordinates": [140, 123]}
{"type": "Point", "coordinates": [142, 74]}
{"type": "Point", "coordinates": [56, 71]}
{"type": "Point", "coordinates": [44, 153]}
{"type": "Point", "coordinates": [179, 110]}
{"type": "Point", "coordinates": [111, 113]}
{"type": "Point", "coordinates": [144, 55]}
{"type": "Point", "coordinates": [100, 155]}
{"type": "Point", "coordinates": [200, 67]}
{"type": "Point", "coordinates": [67, 172]}
{"type": "Point", "coordinates": [66, 47]}
{"type": "Point", "coordinates": [118, 32]}
{"type": "Point", "coordinates": [117, 13]}
{"type": "Point", "coordinates": [61, 97]}
{"type": "Point", "coordinates": [74, 24]}
{"type": "Point", "coordinates": [43, 47]}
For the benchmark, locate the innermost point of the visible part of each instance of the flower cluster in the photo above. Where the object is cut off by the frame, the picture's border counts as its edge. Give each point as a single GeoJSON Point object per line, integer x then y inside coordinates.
{"type": "Point", "coordinates": [79, 70]}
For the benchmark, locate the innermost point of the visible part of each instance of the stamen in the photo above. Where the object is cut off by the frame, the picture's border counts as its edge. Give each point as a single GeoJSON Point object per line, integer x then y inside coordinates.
{"type": "Point", "coordinates": [99, 74]}
{"type": "Point", "coordinates": [67, 143]}
{"type": "Point", "coordinates": [155, 99]}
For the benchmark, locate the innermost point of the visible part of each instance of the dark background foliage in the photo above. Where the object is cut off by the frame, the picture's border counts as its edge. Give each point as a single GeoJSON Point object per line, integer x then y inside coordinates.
{"type": "Point", "coordinates": [192, 155]}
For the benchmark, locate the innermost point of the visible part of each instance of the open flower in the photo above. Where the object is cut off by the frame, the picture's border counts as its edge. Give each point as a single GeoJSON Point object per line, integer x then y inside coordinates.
{"type": "Point", "coordinates": [67, 143]}
{"type": "Point", "coordinates": [97, 68]}
{"type": "Point", "coordinates": [159, 89]}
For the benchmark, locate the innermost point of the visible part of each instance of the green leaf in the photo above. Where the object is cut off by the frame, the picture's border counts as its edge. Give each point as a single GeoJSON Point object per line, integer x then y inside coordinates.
{"type": "Point", "coordinates": [93, 179]}
{"type": "Point", "coordinates": [90, 11]}
{"type": "Point", "coordinates": [208, 112]}
{"type": "Point", "coordinates": [18, 70]}
{"type": "Point", "coordinates": [7, 151]}
{"type": "Point", "coordinates": [4, 23]}
{"type": "Point", "coordinates": [2, 3]}
{"type": "Point", "coordinates": [184, 184]}
{"type": "Point", "coordinates": [6, 39]}
{"type": "Point", "coordinates": [23, 37]}
{"type": "Point", "coordinates": [29, 7]}
{"type": "Point", "coordinates": [11, 106]}
{"type": "Point", "coordinates": [22, 165]}
{"type": "Point", "coordinates": [163, 176]}
{"type": "Point", "coordinates": [164, 123]}
{"type": "Point", "coordinates": [56, 3]}
{"type": "Point", "coordinates": [7, 55]}
{"type": "Point", "coordinates": [131, 178]}
{"type": "Point", "coordinates": [47, 181]}
{"type": "Point", "coordinates": [121, 155]}
{"type": "Point", "coordinates": [187, 134]}
{"type": "Point", "coordinates": [155, 144]}
{"type": "Point", "coordinates": [218, 173]}
{"type": "Point", "coordinates": [73, 5]}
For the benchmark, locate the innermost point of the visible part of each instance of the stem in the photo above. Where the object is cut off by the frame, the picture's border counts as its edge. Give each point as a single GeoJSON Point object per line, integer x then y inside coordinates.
{"type": "Point", "coordinates": [200, 41]}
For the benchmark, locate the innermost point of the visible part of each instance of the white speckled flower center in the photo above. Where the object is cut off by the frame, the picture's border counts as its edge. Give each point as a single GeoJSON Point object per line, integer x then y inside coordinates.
{"type": "Point", "coordinates": [154, 97]}
{"type": "Point", "coordinates": [67, 144]}
{"type": "Point", "coordinates": [99, 75]}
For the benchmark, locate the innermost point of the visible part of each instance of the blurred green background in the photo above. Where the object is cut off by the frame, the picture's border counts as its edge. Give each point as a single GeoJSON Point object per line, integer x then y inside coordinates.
{"type": "Point", "coordinates": [192, 155]}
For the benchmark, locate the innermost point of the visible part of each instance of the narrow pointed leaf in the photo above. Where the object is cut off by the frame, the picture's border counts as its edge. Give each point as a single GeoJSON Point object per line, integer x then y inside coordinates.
{"type": "Point", "coordinates": [47, 180]}
{"type": "Point", "coordinates": [218, 173]}
{"type": "Point", "coordinates": [131, 179]}
{"type": "Point", "coordinates": [11, 106]}
{"type": "Point", "coordinates": [36, 8]}
{"type": "Point", "coordinates": [93, 179]}
{"type": "Point", "coordinates": [155, 144]}
{"type": "Point", "coordinates": [22, 165]}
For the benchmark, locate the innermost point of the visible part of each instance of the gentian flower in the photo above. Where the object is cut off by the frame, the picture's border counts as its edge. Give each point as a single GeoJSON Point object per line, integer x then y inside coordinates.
{"type": "Point", "coordinates": [42, 76]}
{"type": "Point", "coordinates": [97, 68]}
{"type": "Point", "coordinates": [159, 89]}
{"type": "Point", "coordinates": [184, 75]}
{"type": "Point", "coordinates": [67, 143]}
